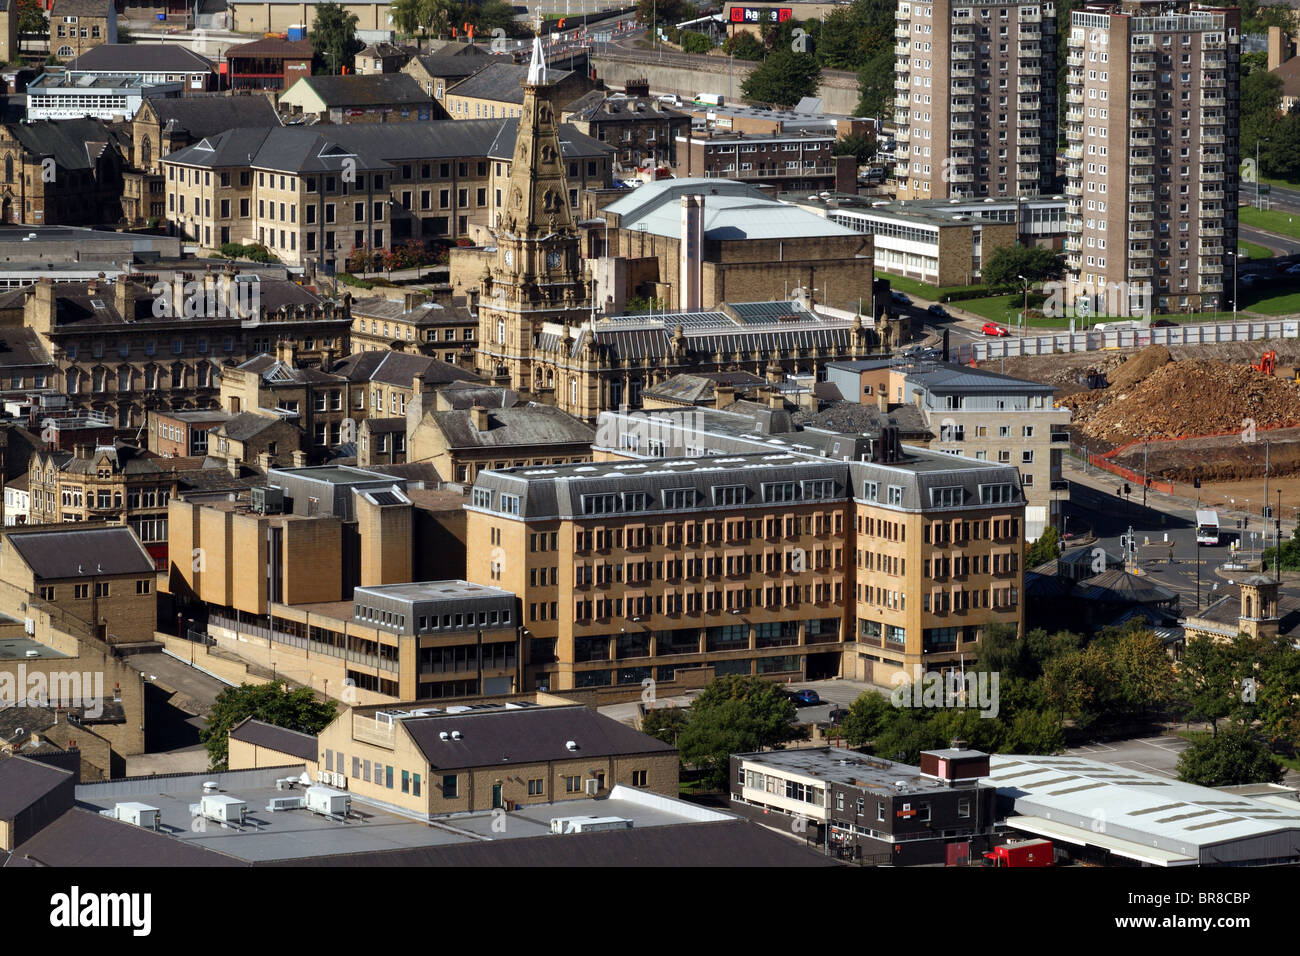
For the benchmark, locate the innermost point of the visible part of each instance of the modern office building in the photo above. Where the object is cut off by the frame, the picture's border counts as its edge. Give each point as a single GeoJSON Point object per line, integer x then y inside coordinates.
{"type": "Point", "coordinates": [975, 103]}
{"type": "Point", "coordinates": [1151, 165]}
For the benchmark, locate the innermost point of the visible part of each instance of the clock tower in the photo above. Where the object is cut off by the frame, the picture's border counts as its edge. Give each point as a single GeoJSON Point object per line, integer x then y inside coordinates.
{"type": "Point", "coordinates": [537, 275]}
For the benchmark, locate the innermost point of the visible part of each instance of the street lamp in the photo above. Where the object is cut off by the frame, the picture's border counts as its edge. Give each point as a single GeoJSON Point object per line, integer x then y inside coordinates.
{"type": "Point", "coordinates": [1235, 257]}
{"type": "Point", "coordinates": [1025, 309]}
{"type": "Point", "coordinates": [1257, 142]}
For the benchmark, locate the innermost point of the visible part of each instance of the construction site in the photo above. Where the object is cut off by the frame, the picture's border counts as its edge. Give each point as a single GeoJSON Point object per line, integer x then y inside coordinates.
{"type": "Point", "coordinates": [1227, 414]}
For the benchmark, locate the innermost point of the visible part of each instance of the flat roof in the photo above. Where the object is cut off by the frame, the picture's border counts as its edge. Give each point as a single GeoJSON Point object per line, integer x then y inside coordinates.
{"type": "Point", "coordinates": [434, 590]}
{"type": "Point", "coordinates": [300, 835]}
{"type": "Point", "coordinates": [334, 474]}
{"type": "Point", "coordinates": [16, 649]}
{"type": "Point", "coordinates": [833, 765]}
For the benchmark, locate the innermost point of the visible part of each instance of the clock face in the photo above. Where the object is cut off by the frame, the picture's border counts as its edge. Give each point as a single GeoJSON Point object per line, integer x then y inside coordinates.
{"type": "Point", "coordinates": [510, 257]}
{"type": "Point", "coordinates": [553, 260]}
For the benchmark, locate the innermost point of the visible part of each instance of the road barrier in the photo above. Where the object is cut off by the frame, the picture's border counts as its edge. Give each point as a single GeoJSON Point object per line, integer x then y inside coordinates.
{"type": "Point", "coordinates": [1201, 333]}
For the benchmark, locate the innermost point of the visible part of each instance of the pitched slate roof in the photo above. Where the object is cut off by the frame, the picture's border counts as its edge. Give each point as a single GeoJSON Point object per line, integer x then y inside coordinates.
{"type": "Point", "coordinates": [375, 89]}
{"type": "Point", "coordinates": [271, 737]}
{"type": "Point", "coordinates": [81, 8]}
{"type": "Point", "coordinates": [535, 735]}
{"type": "Point", "coordinates": [74, 143]}
{"type": "Point", "coordinates": [24, 782]}
{"type": "Point", "coordinates": [573, 144]}
{"type": "Point", "coordinates": [139, 58]}
{"type": "Point", "coordinates": [289, 49]}
{"type": "Point", "coordinates": [209, 114]}
{"type": "Point", "coordinates": [502, 82]}
{"type": "Point", "coordinates": [399, 368]}
{"type": "Point", "coordinates": [527, 425]}
{"type": "Point", "coordinates": [450, 65]}
{"type": "Point", "coordinates": [83, 838]}
{"type": "Point", "coordinates": [245, 425]}
{"type": "Point", "coordinates": [70, 551]}
{"type": "Point", "coordinates": [21, 347]}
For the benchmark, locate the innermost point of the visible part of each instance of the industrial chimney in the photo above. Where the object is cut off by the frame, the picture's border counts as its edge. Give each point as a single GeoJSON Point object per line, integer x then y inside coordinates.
{"type": "Point", "coordinates": [691, 247]}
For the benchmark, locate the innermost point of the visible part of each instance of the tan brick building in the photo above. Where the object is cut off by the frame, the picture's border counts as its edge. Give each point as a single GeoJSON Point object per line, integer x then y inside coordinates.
{"type": "Point", "coordinates": [462, 443]}
{"type": "Point", "coordinates": [58, 173]}
{"type": "Point", "coordinates": [444, 330]}
{"type": "Point", "coordinates": [792, 566]}
{"type": "Point", "coordinates": [95, 575]}
{"type": "Point", "coordinates": [78, 25]}
{"type": "Point", "coordinates": [491, 758]}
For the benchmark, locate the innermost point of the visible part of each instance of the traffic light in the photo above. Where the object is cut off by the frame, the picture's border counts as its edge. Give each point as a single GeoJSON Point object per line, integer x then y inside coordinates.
{"type": "Point", "coordinates": [1127, 489]}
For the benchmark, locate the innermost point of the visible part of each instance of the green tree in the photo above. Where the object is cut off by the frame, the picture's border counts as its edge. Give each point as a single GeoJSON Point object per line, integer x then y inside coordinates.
{"type": "Point", "coordinates": [735, 714]}
{"type": "Point", "coordinates": [1251, 62]}
{"type": "Point", "coordinates": [744, 46]}
{"type": "Point", "coordinates": [861, 148]}
{"type": "Point", "coordinates": [911, 731]}
{"type": "Point", "coordinates": [31, 19]}
{"type": "Point", "coordinates": [693, 42]}
{"type": "Point", "coordinates": [1278, 699]}
{"type": "Point", "coordinates": [1205, 686]}
{"type": "Point", "coordinates": [334, 40]}
{"type": "Point", "coordinates": [1261, 98]}
{"type": "Point", "coordinates": [867, 717]}
{"type": "Point", "coordinates": [270, 703]}
{"type": "Point", "coordinates": [1080, 685]}
{"type": "Point", "coordinates": [783, 79]}
{"type": "Point", "coordinates": [1144, 671]}
{"type": "Point", "coordinates": [663, 12]}
{"type": "Point", "coordinates": [1230, 758]}
{"type": "Point", "coordinates": [1034, 732]}
{"type": "Point", "coordinates": [1046, 548]}
{"type": "Point", "coordinates": [488, 16]}
{"type": "Point", "coordinates": [876, 86]}
{"type": "Point", "coordinates": [1036, 263]}
{"type": "Point", "coordinates": [840, 40]}
{"type": "Point", "coordinates": [665, 723]}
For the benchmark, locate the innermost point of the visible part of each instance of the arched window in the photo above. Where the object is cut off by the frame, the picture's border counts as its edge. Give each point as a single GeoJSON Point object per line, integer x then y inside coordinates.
{"type": "Point", "coordinates": [573, 392]}
{"type": "Point", "coordinates": [65, 51]}
{"type": "Point", "coordinates": [9, 169]}
{"type": "Point", "coordinates": [501, 331]}
{"type": "Point", "coordinates": [146, 153]}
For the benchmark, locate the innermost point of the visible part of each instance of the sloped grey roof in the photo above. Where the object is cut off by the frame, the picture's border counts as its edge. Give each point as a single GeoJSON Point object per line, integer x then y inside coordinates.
{"type": "Point", "coordinates": [502, 82]}
{"type": "Point", "coordinates": [23, 782]}
{"type": "Point", "coordinates": [399, 368]}
{"type": "Point", "coordinates": [20, 347]}
{"type": "Point", "coordinates": [855, 418]}
{"type": "Point", "coordinates": [74, 143]}
{"type": "Point", "coordinates": [449, 66]}
{"type": "Point", "coordinates": [83, 838]}
{"type": "Point", "coordinates": [528, 425]}
{"type": "Point", "coordinates": [208, 114]}
{"type": "Point", "coordinates": [280, 739]}
{"type": "Point", "coordinates": [245, 425]}
{"type": "Point", "coordinates": [374, 89]}
{"type": "Point", "coordinates": [533, 735]}
{"type": "Point", "coordinates": [139, 58]}
{"type": "Point", "coordinates": [1121, 586]}
{"type": "Point", "coordinates": [573, 144]}
{"type": "Point", "coordinates": [70, 551]}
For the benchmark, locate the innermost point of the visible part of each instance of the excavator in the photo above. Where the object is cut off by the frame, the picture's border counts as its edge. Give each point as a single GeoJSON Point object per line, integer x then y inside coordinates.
{"type": "Point", "coordinates": [1268, 365]}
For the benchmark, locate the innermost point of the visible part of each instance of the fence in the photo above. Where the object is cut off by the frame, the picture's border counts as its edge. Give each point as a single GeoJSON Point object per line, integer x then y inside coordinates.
{"type": "Point", "coordinates": [1206, 333]}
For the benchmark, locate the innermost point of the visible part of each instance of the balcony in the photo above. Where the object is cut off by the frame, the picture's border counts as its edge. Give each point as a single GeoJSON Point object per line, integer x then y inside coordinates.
{"type": "Point", "coordinates": [1071, 243]}
{"type": "Point", "coordinates": [902, 85]}
{"type": "Point", "coordinates": [1076, 99]}
{"type": "Point", "coordinates": [1074, 189]}
{"type": "Point", "coordinates": [961, 178]}
{"type": "Point", "coordinates": [1141, 195]}
{"type": "Point", "coordinates": [1214, 250]}
{"type": "Point", "coordinates": [1140, 272]}
{"type": "Point", "coordinates": [1138, 102]}
{"type": "Point", "coordinates": [1142, 139]}
{"type": "Point", "coordinates": [902, 135]}
{"type": "Point", "coordinates": [1074, 151]}
{"type": "Point", "coordinates": [1074, 116]}
{"type": "Point", "coordinates": [1204, 231]}
{"type": "Point", "coordinates": [1212, 176]}
{"type": "Point", "coordinates": [1142, 215]}
{"type": "Point", "coordinates": [1144, 159]}
{"type": "Point", "coordinates": [1208, 192]}
{"type": "Point", "coordinates": [1213, 138]}
{"type": "Point", "coordinates": [1143, 61]}
{"type": "Point", "coordinates": [1213, 99]}
{"type": "Point", "coordinates": [1214, 45]}
{"type": "Point", "coordinates": [1028, 103]}
{"type": "Point", "coordinates": [962, 142]}
{"type": "Point", "coordinates": [902, 15]}
{"type": "Point", "coordinates": [903, 102]}
{"type": "Point", "coordinates": [1214, 63]}
{"type": "Point", "coordinates": [962, 53]}
{"type": "Point", "coordinates": [1141, 122]}
{"type": "Point", "coordinates": [902, 152]}
{"type": "Point", "coordinates": [962, 107]}
{"type": "Point", "coordinates": [903, 33]}
{"type": "Point", "coordinates": [1027, 156]}
{"type": "Point", "coordinates": [961, 124]}
{"type": "Point", "coordinates": [964, 88]}
{"type": "Point", "coordinates": [1141, 253]}
{"type": "Point", "coordinates": [962, 34]}
{"type": "Point", "coordinates": [903, 49]}
{"type": "Point", "coordinates": [1074, 59]}
{"type": "Point", "coordinates": [961, 71]}
{"type": "Point", "coordinates": [1031, 16]}
{"type": "Point", "coordinates": [900, 171]}
{"type": "Point", "coordinates": [1213, 83]}
{"type": "Point", "coordinates": [1028, 86]}
{"type": "Point", "coordinates": [1211, 285]}
{"type": "Point", "coordinates": [1029, 49]}
{"type": "Point", "coordinates": [1140, 232]}
{"type": "Point", "coordinates": [1029, 139]}
{"type": "Point", "coordinates": [1141, 84]}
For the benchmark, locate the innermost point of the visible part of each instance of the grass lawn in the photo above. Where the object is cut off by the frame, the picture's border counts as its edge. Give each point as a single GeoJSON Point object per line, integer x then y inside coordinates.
{"type": "Point", "coordinates": [1253, 250]}
{"type": "Point", "coordinates": [1005, 308]}
{"type": "Point", "coordinates": [1285, 304]}
{"type": "Point", "coordinates": [921, 290]}
{"type": "Point", "coordinates": [1283, 223]}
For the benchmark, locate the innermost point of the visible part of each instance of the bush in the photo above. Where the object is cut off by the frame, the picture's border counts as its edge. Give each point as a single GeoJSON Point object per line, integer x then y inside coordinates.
{"type": "Point", "coordinates": [693, 42]}
{"type": "Point", "coordinates": [254, 252]}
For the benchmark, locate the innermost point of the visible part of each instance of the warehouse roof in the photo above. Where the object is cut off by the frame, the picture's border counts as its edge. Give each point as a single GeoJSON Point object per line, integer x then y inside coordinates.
{"type": "Point", "coordinates": [71, 551]}
{"type": "Point", "coordinates": [24, 782]}
{"type": "Point", "coordinates": [271, 737]}
{"type": "Point", "coordinates": [376, 89]}
{"type": "Point", "coordinates": [134, 58]}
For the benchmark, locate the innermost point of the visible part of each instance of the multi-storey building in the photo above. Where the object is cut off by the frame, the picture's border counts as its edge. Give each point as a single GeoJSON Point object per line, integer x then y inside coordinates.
{"type": "Point", "coordinates": [1151, 167]}
{"type": "Point", "coordinates": [442, 330]}
{"type": "Point", "coordinates": [641, 128]}
{"type": "Point", "coordinates": [975, 98]}
{"type": "Point", "coordinates": [799, 161]}
{"type": "Point", "coordinates": [979, 414]}
{"type": "Point", "coordinates": [268, 64]}
{"type": "Point", "coordinates": [61, 173]}
{"type": "Point", "coordinates": [782, 563]}
{"type": "Point", "coordinates": [78, 25]}
{"type": "Point", "coordinates": [119, 354]}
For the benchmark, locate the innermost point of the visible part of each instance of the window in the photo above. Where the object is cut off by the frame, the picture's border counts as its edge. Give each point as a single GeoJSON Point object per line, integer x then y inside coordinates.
{"type": "Point", "coordinates": [895, 494]}
{"type": "Point", "coordinates": [142, 587]}
{"type": "Point", "coordinates": [47, 593]}
{"type": "Point", "coordinates": [572, 784]}
{"type": "Point", "coordinates": [535, 787]}
{"type": "Point", "coordinates": [639, 778]}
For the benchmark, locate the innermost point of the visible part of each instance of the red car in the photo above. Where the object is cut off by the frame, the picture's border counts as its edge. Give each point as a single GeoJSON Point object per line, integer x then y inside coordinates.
{"type": "Point", "coordinates": [992, 328]}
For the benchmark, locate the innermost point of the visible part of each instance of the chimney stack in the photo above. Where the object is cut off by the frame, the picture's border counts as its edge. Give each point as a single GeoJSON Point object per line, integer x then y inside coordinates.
{"type": "Point", "coordinates": [124, 298]}
{"type": "Point", "coordinates": [723, 395]}
{"type": "Point", "coordinates": [233, 467]}
{"type": "Point", "coordinates": [479, 416]}
{"type": "Point", "coordinates": [882, 400]}
{"type": "Point", "coordinates": [299, 459]}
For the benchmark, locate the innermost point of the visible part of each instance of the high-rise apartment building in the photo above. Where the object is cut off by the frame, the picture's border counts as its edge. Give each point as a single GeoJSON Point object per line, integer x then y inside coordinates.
{"type": "Point", "coordinates": [1151, 167]}
{"type": "Point", "coordinates": [975, 99]}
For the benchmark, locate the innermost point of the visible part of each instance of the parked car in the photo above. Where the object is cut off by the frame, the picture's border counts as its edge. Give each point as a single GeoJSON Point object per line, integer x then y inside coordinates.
{"type": "Point", "coordinates": [992, 328]}
{"type": "Point", "coordinates": [1249, 279]}
{"type": "Point", "coordinates": [917, 352]}
{"type": "Point", "coordinates": [839, 715]}
{"type": "Point", "coordinates": [1293, 270]}
{"type": "Point", "coordinates": [900, 298]}
{"type": "Point", "coordinates": [806, 698]}
{"type": "Point", "coordinates": [938, 310]}
{"type": "Point", "coordinates": [1162, 324]}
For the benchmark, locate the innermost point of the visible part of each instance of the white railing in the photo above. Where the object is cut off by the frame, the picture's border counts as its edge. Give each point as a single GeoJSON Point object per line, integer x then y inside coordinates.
{"type": "Point", "coordinates": [1201, 333]}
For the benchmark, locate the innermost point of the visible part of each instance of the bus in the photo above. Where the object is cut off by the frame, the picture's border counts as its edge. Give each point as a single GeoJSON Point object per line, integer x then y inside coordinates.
{"type": "Point", "coordinates": [1207, 527]}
